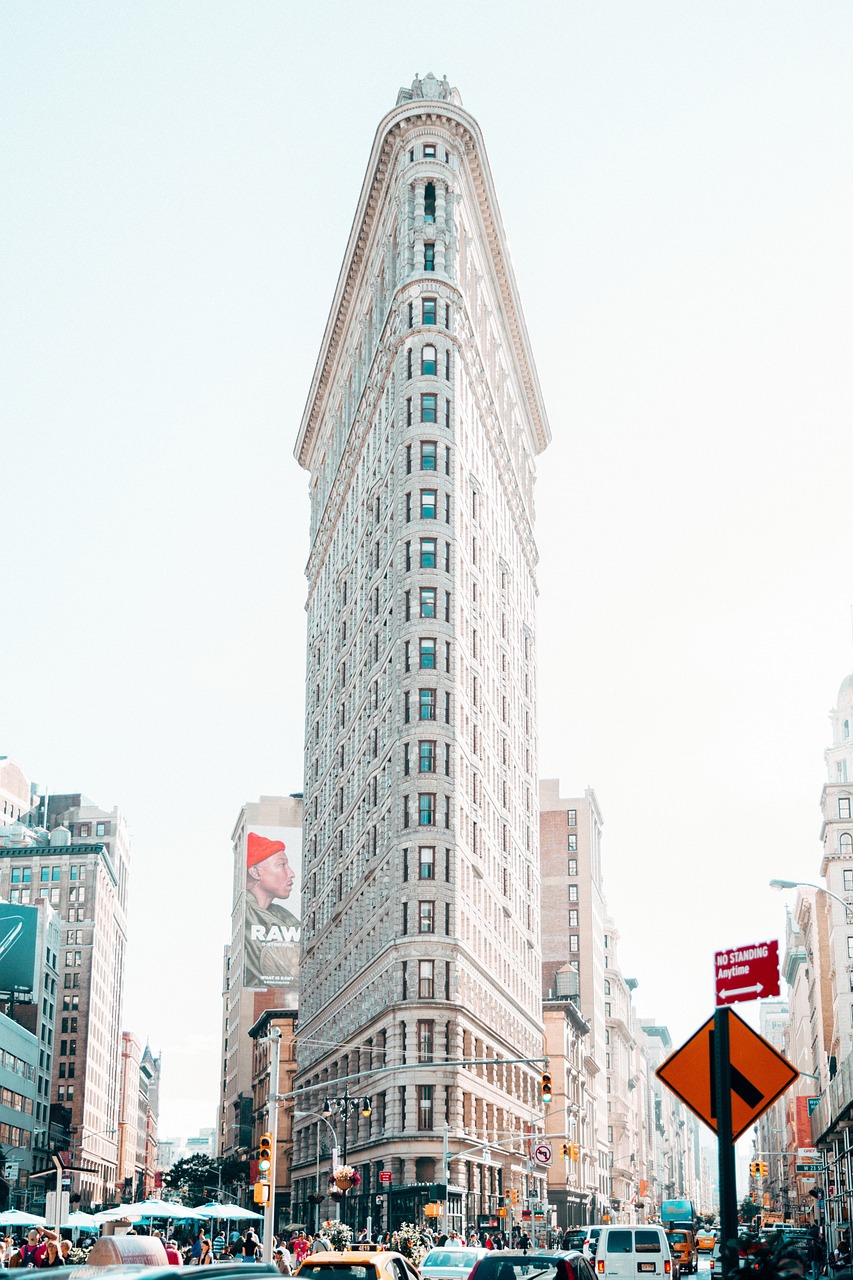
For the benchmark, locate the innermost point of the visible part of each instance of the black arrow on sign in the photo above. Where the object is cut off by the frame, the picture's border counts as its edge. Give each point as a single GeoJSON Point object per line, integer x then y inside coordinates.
{"type": "Point", "coordinates": [744, 1088]}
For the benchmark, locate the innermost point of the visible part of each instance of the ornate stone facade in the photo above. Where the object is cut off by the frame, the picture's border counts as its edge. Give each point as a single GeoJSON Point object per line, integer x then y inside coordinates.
{"type": "Point", "coordinates": [421, 879]}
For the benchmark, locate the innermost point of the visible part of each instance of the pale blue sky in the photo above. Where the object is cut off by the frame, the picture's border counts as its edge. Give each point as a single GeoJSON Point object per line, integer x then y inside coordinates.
{"type": "Point", "coordinates": [178, 185]}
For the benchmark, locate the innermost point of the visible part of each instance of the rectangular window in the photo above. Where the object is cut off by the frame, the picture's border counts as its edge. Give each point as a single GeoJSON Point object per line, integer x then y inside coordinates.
{"type": "Point", "coordinates": [429, 548]}
{"type": "Point", "coordinates": [44, 875]}
{"type": "Point", "coordinates": [429, 499]}
{"type": "Point", "coordinates": [573, 942]}
{"type": "Point", "coordinates": [427, 601]}
{"type": "Point", "coordinates": [426, 809]}
{"type": "Point", "coordinates": [426, 979]}
{"type": "Point", "coordinates": [408, 411]}
{"type": "Point", "coordinates": [426, 862]}
{"type": "Point", "coordinates": [850, 948]}
{"type": "Point", "coordinates": [428, 312]}
{"type": "Point", "coordinates": [429, 458]}
{"type": "Point", "coordinates": [573, 866]}
{"type": "Point", "coordinates": [573, 893]}
{"type": "Point", "coordinates": [429, 407]}
{"type": "Point", "coordinates": [572, 817]}
{"type": "Point", "coordinates": [407, 712]}
{"type": "Point", "coordinates": [573, 844]}
{"type": "Point", "coordinates": [426, 704]}
{"type": "Point", "coordinates": [573, 919]}
{"type": "Point", "coordinates": [848, 881]}
{"type": "Point", "coordinates": [426, 917]}
{"type": "Point", "coordinates": [426, 757]}
{"type": "Point", "coordinates": [427, 655]}
{"type": "Point", "coordinates": [100, 828]}
{"type": "Point", "coordinates": [424, 1106]}
{"type": "Point", "coordinates": [844, 806]}
{"type": "Point", "coordinates": [429, 151]}
{"type": "Point", "coordinates": [429, 256]}
{"type": "Point", "coordinates": [426, 1041]}
{"type": "Point", "coordinates": [447, 365]}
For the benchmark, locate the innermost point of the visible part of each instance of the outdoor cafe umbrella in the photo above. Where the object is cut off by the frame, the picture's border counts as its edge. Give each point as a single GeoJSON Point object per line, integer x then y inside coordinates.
{"type": "Point", "coordinates": [81, 1221]}
{"type": "Point", "coordinates": [15, 1218]}
{"type": "Point", "coordinates": [231, 1212]}
{"type": "Point", "coordinates": [143, 1209]}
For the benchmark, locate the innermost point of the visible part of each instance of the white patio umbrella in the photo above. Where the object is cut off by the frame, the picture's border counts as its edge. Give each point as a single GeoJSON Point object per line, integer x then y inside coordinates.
{"type": "Point", "coordinates": [81, 1221]}
{"type": "Point", "coordinates": [15, 1218]}
{"type": "Point", "coordinates": [232, 1212]}
{"type": "Point", "coordinates": [143, 1209]}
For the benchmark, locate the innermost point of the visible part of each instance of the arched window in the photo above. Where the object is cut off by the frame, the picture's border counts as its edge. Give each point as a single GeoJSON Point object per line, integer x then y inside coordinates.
{"type": "Point", "coordinates": [428, 359]}
{"type": "Point", "coordinates": [845, 845]}
{"type": "Point", "coordinates": [429, 202]}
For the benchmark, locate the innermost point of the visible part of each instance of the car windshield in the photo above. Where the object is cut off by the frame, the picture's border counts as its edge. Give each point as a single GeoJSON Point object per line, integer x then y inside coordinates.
{"type": "Point", "coordinates": [539, 1266]}
{"type": "Point", "coordinates": [459, 1259]}
{"type": "Point", "coordinates": [341, 1270]}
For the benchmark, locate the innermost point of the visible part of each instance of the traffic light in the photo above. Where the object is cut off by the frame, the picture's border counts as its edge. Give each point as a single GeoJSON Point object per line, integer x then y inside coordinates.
{"type": "Point", "coordinates": [566, 1150]}
{"type": "Point", "coordinates": [574, 1151]}
{"type": "Point", "coordinates": [762, 1169]}
{"type": "Point", "coordinates": [264, 1158]}
{"type": "Point", "coordinates": [754, 1168]}
{"type": "Point", "coordinates": [546, 1086]}
{"type": "Point", "coordinates": [262, 1192]}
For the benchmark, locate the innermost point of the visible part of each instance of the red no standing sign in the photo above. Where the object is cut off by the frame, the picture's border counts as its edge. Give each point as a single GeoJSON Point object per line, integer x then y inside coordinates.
{"type": "Point", "coordinates": [747, 973]}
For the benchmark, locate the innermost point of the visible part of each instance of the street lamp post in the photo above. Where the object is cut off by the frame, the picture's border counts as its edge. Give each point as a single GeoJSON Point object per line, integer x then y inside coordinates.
{"type": "Point", "coordinates": [821, 888]}
{"type": "Point", "coordinates": [345, 1104]}
{"type": "Point", "coordinates": [319, 1196]}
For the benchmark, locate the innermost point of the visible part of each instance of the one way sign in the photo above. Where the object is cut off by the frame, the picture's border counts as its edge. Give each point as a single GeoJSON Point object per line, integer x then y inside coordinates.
{"type": "Point", "coordinates": [759, 1075]}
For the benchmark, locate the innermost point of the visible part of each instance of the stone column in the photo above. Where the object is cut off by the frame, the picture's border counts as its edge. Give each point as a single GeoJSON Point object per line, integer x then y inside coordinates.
{"type": "Point", "coordinates": [441, 227]}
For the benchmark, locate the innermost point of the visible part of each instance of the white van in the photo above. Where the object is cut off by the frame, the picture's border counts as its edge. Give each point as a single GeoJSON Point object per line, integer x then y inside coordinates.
{"type": "Point", "coordinates": [630, 1253]}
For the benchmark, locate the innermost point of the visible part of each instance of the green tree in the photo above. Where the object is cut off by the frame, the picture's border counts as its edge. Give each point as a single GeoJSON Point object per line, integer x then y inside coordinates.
{"type": "Point", "coordinates": [194, 1179]}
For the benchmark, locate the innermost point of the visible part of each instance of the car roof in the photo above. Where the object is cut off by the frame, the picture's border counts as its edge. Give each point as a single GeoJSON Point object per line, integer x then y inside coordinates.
{"type": "Point", "coordinates": [349, 1255]}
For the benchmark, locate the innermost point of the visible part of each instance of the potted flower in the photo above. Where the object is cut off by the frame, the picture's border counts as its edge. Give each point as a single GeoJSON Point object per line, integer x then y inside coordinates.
{"type": "Point", "coordinates": [345, 1177]}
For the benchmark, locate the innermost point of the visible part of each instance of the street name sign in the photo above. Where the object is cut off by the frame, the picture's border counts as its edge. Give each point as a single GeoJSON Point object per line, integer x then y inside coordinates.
{"type": "Point", "coordinates": [758, 1074]}
{"type": "Point", "coordinates": [811, 1168]}
{"type": "Point", "coordinates": [747, 973]}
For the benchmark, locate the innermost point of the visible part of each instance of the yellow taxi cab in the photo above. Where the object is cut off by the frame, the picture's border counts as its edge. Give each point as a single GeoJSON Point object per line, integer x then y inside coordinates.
{"type": "Point", "coordinates": [705, 1240]}
{"type": "Point", "coordinates": [357, 1264]}
{"type": "Point", "coordinates": [683, 1248]}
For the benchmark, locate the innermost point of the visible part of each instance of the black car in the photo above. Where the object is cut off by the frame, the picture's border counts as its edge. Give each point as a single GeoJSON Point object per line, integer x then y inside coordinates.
{"type": "Point", "coordinates": [505, 1264]}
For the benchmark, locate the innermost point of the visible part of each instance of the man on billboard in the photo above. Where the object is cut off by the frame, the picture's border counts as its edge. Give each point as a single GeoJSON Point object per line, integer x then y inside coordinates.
{"type": "Point", "coordinates": [272, 931]}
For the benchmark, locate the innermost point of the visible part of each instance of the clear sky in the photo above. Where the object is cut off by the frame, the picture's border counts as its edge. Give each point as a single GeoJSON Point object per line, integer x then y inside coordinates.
{"type": "Point", "coordinates": [178, 183]}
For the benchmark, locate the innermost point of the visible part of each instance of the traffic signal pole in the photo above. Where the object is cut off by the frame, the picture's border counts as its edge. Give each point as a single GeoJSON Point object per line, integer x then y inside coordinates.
{"type": "Point", "coordinates": [272, 1121]}
{"type": "Point", "coordinates": [721, 1075]}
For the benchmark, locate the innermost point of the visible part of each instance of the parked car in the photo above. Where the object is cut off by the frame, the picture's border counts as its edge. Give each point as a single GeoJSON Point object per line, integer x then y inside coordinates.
{"type": "Point", "coordinates": [683, 1246]}
{"type": "Point", "coordinates": [450, 1264]}
{"type": "Point", "coordinates": [574, 1239]}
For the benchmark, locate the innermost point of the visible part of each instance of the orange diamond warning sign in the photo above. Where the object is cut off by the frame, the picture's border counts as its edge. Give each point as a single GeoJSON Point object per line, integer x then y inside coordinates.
{"type": "Point", "coordinates": [759, 1074]}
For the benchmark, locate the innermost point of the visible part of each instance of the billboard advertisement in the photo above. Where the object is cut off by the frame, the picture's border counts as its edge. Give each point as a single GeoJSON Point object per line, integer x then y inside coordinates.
{"type": "Point", "coordinates": [272, 857]}
{"type": "Point", "coordinates": [18, 938]}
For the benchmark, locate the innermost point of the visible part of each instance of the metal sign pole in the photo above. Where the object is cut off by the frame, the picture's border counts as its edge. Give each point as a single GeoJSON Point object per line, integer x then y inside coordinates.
{"type": "Point", "coordinates": [722, 1101]}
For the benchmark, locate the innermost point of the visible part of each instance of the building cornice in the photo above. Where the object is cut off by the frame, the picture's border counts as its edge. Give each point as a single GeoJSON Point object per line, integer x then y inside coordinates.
{"type": "Point", "coordinates": [375, 193]}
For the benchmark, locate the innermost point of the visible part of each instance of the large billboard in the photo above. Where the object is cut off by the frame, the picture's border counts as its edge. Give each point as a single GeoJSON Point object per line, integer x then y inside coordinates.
{"type": "Point", "coordinates": [18, 938]}
{"type": "Point", "coordinates": [272, 857]}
